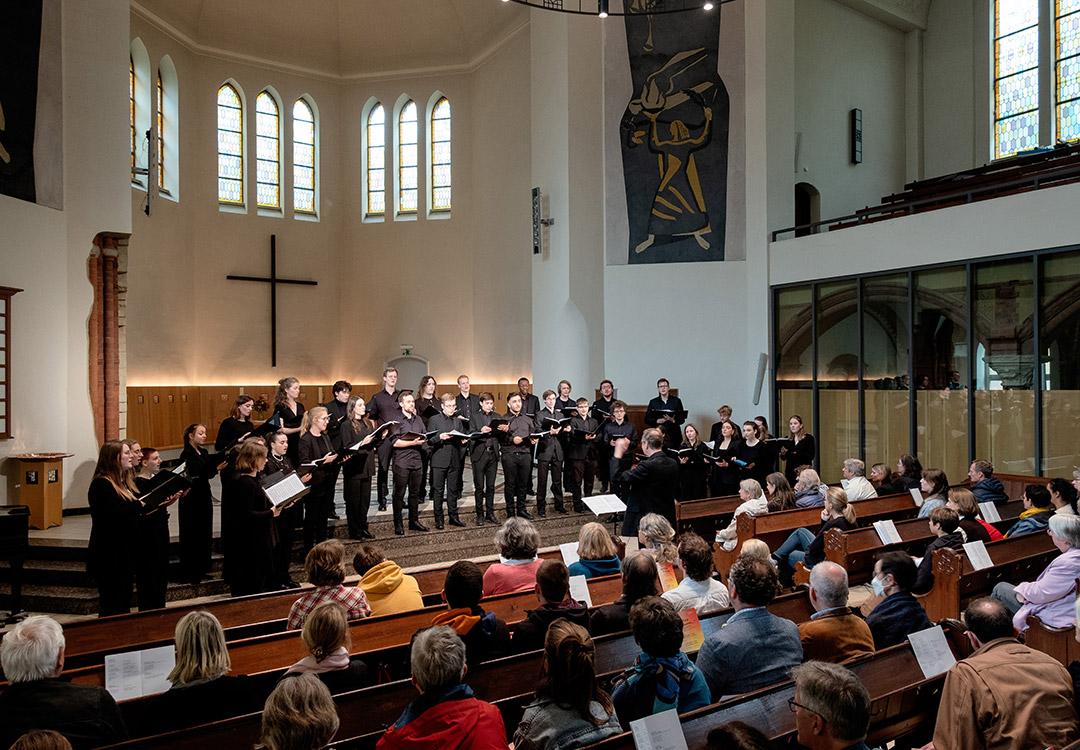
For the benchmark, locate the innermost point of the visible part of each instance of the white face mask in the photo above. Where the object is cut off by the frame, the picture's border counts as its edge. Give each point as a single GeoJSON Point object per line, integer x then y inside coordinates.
{"type": "Point", "coordinates": [879, 587]}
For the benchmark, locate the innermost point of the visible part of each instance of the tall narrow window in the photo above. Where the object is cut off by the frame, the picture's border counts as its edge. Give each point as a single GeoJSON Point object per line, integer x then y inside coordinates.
{"type": "Point", "coordinates": [1067, 68]}
{"type": "Point", "coordinates": [440, 155]}
{"type": "Point", "coordinates": [161, 134]}
{"type": "Point", "coordinates": [267, 152]}
{"type": "Point", "coordinates": [407, 159]}
{"type": "Point", "coordinates": [1016, 76]}
{"type": "Point", "coordinates": [376, 161]}
{"type": "Point", "coordinates": [131, 96]}
{"type": "Point", "coordinates": [303, 158]}
{"type": "Point", "coordinates": [230, 131]}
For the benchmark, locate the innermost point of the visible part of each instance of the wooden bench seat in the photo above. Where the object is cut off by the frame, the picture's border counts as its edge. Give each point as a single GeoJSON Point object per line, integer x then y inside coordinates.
{"type": "Point", "coordinates": [705, 516]}
{"type": "Point", "coordinates": [1059, 643]}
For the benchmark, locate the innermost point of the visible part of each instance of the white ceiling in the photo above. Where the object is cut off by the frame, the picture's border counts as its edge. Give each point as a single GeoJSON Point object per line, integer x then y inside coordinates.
{"type": "Point", "coordinates": [342, 38]}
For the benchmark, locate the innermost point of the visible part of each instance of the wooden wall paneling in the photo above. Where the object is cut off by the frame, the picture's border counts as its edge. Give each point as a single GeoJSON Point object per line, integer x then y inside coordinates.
{"type": "Point", "coordinates": [138, 416]}
{"type": "Point", "coordinates": [191, 407]}
{"type": "Point", "coordinates": [215, 404]}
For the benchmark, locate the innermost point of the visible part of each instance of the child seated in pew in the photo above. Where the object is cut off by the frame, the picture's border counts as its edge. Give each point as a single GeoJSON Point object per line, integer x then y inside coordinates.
{"type": "Point", "coordinates": [325, 569]}
{"type": "Point", "coordinates": [1036, 513]}
{"type": "Point", "coordinates": [485, 635]}
{"type": "Point", "coordinates": [326, 636]}
{"type": "Point", "coordinates": [974, 528]}
{"type": "Point", "coordinates": [663, 677]}
{"type": "Point", "coordinates": [298, 715]}
{"type": "Point", "coordinates": [945, 525]}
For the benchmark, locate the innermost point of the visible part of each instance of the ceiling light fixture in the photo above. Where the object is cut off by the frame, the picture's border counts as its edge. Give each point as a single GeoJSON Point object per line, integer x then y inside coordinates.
{"type": "Point", "coordinates": [602, 9]}
{"type": "Point", "coordinates": [602, 12]}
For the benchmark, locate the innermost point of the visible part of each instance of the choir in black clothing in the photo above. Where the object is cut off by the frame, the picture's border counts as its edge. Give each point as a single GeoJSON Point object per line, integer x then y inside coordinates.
{"type": "Point", "coordinates": [580, 453]}
{"type": "Point", "coordinates": [383, 407]}
{"type": "Point", "coordinates": [407, 441]}
{"type": "Point", "coordinates": [197, 506]}
{"type": "Point", "coordinates": [549, 453]}
{"type": "Point", "coordinates": [248, 533]}
{"type": "Point", "coordinates": [285, 524]}
{"type": "Point", "coordinates": [235, 426]}
{"type": "Point", "coordinates": [447, 459]}
{"type": "Point", "coordinates": [484, 456]}
{"type": "Point", "coordinates": [601, 410]}
{"type": "Point", "coordinates": [691, 456]}
{"type": "Point", "coordinates": [291, 413]}
{"type": "Point", "coordinates": [152, 544]}
{"type": "Point", "coordinates": [358, 468]}
{"type": "Point", "coordinates": [517, 445]}
{"type": "Point", "coordinates": [317, 451]}
{"type": "Point", "coordinates": [666, 412]}
{"type": "Point", "coordinates": [427, 406]}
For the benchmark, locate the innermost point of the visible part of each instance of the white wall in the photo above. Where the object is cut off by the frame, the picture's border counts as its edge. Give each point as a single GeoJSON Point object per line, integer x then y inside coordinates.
{"type": "Point", "coordinates": [44, 251]}
{"type": "Point", "coordinates": [952, 108]}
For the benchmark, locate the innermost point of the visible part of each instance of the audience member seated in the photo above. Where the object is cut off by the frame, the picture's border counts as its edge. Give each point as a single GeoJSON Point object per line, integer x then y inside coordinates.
{"type": "Point", "coordinates": [755, 648]}
{"type": "Point", "coordinates": [41, 739]}
{"type": "Point", "coordinates": [202, 688]}
{"type": "Point", "coordinates": [570, 709]}
{"type": "Point", "coordinates": [698, 589]}
{"type": "Point", "coordinates": [885, 480]}
{"type": "Point", "coordinates": [909, 473]}
{"type": "Point", "coordinates": [1062, 497]}
{"type": "Point", "coordinates": [1005, 695]}
{"type": "Point", "coordinates": [753, 502]}
{"type": "Point", "coordinates": [485, 635]}
{"type": "Point", "coordinates": [986, 487]}
{"type": "Point", "coordinates": [1050, 596]}
{"type": "Point", "coordinates": [447, 714]}
{"type": "Point", "coordinates": [663, 677]}
{"type": "Point", "coordinates": [1036, 513]}
{"type": "Point", "coordinates": [804, 546]}
{"type": "Point", "coordinates": [759, 549]}
{"type": "Point", "coordinates": [833, 633]}
{"type": "Point", "coordinates": [736, 735]}
{"type": "Point", "coordinates": [1074, 667]}
{"type": "Point", "coordinates": [32, 657]}
{"type": "Point", "coordinates": [298, 715]}
{"type": "Point", "coordinates": [900, 613]}
{"type": "Point", "coordinates": [387, 588]}
{"type": "Point", "coordinates": [553, 593]}
{"type": "Point", "coordinates": [778, 493]}
{"type": "Point", "coordinates": [326, 636]}
{"type": "Point", "coordinates": [974, 528]}
{"type": "Point", "coordinates": [656, 537]}
{"type": "Point", "coordinates": [639, 579]}
{"type": "Point", "coordinates": [596, 552]}
{"type": "Point", "coordinates": [945, 525]}
{"type": "Point", "coordinates": [325, 570]}
{"type": "Point", "coordinates": [831, 707]}
{"type": "Point", "coordinates": [808, 490]}
{"type": "Point", "coordinates": [854, 481]}
{"type": "Point", "coordinates": [934, 487]}
{"type": "Point", "coordinates": [517, 541]}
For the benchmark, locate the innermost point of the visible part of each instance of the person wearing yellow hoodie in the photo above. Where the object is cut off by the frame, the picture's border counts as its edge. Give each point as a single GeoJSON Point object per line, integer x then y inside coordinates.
{"type": "Point", "coordinates": [387, 588]}
{"type": "Point", "coordinates": [485, 635]}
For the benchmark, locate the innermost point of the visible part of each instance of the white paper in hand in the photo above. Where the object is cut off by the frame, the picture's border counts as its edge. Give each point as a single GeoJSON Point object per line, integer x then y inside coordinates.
{"type": "Point", "coordinates": [886, 531]}
{"type": "Point", "coordinates": [569, 553]}
{"type": "Point", "coordinates": [137, 673]}
{"type": "Point", "coordinates": [179, 469]}
{"type": "Point", "coordinates": [978, 555]}
{"type": "Point", "coordinates": [286, 489]}
{"type": "Point", "coordinates": [660, 731]}
{"type": "Point", "coordinates": [601, 504]}
{"type": "Point", "coordinates": [932, 651]}
{"type": "Point", "coordinates": [632, 544]}
{"type": "Point", "coordinates": [579, 590]}
{"type": "Point", "coordinates": [916, 495]}
{"type": "Point", "coordinates": [989, 512]}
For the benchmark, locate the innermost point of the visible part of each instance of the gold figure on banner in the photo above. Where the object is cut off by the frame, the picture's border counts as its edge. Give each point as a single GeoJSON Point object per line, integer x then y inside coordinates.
{"type": "Point", "coordinates": [4, 155]}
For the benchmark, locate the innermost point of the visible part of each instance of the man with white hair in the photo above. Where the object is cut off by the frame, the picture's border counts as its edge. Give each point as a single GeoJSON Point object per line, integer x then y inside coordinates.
{"type": "Point", "coordinates": [446, 714]}
{"type": "Point", "coordinates": [833, 633]}
{"type": "Point", "coordinates": [855, 483]}
{"type": "Point", "coordinates": [32, 656]}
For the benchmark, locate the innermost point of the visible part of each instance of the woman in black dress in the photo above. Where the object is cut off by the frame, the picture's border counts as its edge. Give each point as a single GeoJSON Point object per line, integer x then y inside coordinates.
{"type": "Point", "coordinates": [749, 454]}
{"type": "Point", "coordinates": [152, 544]}
{"type": "Point", "coordinates": [197, 507]}
{"type": "Point", "coordinates": [769, 458]}
{"type": "Point", "coordinates": [427, 406]}
{"type": "Point", "coordinates": [358, 468]}
{"type": "Point", "coordinates": [292, 414]}
{"type": "Point", "coordinates": [236, 425]}
{"type": "Point", "coordinates": [247, 522]}
{"type": "Point", "coordinates": [692, 466]}
{"type": "Point", "coordinates": [278, 461]}
{"type": "Point", "coordinates": [909, 472]}
{"type": "Point", "coordinates": [114, 529]}
{"type": "Point", "coordinates": [315, 445]}
{"type": "Point", "coordinates": [724, 478]}
{"type": "Point", "coordinates": [802, 450]}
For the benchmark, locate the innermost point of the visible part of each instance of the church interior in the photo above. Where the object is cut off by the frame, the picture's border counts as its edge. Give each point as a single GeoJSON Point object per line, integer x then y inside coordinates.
{"type": "Point", "coordinates": [849, 217]}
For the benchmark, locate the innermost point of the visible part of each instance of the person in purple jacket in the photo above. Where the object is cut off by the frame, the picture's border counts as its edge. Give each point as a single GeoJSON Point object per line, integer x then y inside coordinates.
{"type": "Point", "coordinates": [1052, 595]}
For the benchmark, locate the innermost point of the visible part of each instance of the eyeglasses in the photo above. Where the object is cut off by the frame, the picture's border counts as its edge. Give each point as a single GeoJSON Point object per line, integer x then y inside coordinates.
{"type": "Point", "coordinates": [792, 705]}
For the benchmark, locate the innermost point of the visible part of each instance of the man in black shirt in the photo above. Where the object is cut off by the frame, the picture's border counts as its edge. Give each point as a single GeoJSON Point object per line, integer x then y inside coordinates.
{"type": "Point", "coordinates": [516, 456]}
{"type": "Point", "coordinates": [337, 408]}
{"type": "Point", "coordinates": [583, 437]}
{"type": "Point", "coordinates": [484, 456]}
{"type": "Point", "coordinates": [601, 409]}
{"type": "Point", "coordinates": [651, 485]}
{"type": "Point", "coordinates": [619, 435]}
{"type": "Point", "coordinates": [408, 466]}
{"type": "Point", "coordinates": [447, 453]}
{"type": "Point", "coordinates": [530, 405]}
{"type": "Point", "coordinates": [383, 407]}
{"type": "Point", "coordinates": [467, 405]}
{"type": "Point", "coordinates": [666, 412]}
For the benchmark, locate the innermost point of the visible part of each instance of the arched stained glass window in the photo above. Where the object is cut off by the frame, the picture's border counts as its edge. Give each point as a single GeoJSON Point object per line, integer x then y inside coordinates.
{"type": "Point", "coordinates": [160, 134]}
{"type": "Point", "coordinates": [267, 151]}
{"type": "Point", "coordinates": [376, 161]}
{"type": "Point", "coordinates": [440, 155]}
{"type": "Point", "coordinates": [1016, 76]}
{"type": "Point", "coordinates": [1067, 68]}
{"type": "Point", "coordinates": [407, 159]}
{"type": "Point", "coordinates": [304, 177]}
{"type": "Point", "coordinates": [230, 132]}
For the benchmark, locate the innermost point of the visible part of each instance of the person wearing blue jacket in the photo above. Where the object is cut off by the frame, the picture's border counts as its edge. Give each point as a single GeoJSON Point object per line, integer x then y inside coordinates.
{"type": "Point", "coordinates": [597, 555]}
{"type": "Point", "coordinates": [984, 485]}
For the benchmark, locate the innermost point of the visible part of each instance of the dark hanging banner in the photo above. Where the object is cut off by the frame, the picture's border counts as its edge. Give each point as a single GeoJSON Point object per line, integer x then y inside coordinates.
{"type": "Point", "coordinates": [19, 52]}
{"type": "Point", "coordinates": [674, 137]}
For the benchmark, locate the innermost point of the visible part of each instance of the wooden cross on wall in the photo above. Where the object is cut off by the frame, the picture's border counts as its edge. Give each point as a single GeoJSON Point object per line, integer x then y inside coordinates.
{"type": "Point", "coordinates": [273, 281]}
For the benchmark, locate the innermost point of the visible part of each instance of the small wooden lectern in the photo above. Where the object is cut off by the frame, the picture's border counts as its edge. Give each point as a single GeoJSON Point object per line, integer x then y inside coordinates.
{"type": "Point", "coordinates": [41, 487]}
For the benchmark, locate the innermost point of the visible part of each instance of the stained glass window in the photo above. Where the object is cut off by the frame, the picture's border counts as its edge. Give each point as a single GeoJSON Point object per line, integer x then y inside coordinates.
{"type": "Point", "coordinates": [407, 159]}
{"type": "Point", "coordinates": [440, 155]}
{"type": "Point", "coordinates": [376, 161]}
{"type": "Point", "coordinates": [1067, 68]}
{"type": "Point", "coordinates": [131, 96]}
{"type": "Point", "coordinates": [1016, 76]}
{"type": "Point", "coordinates": [303, 158]}
{"type": "Point", "coordinates": [267, 152]}
{"type": "Point", "coordinates": [230, 133]}
{"type": "Point", "coordinates": [161, 134]}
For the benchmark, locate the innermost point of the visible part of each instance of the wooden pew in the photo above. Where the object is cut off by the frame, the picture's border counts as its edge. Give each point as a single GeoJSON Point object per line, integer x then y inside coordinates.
{"type": "Point", "coordinates": [1059, 643]}
{"type": "Point", "coordinates": [956, 582]}
{"type": "Point", "coordinates": [508, 682]}
{"type": "Point", "coordinates": [705, 516]}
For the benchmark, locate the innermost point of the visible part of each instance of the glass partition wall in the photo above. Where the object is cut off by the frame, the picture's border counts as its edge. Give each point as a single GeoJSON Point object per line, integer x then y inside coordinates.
{"type": "Point", "coordinates": [940, 362]}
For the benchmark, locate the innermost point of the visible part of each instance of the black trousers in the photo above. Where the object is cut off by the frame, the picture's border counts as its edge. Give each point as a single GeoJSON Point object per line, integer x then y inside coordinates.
{"type": "Point", "coordinates": [445, 482]}
{"type": "Point", "coordinates": [484, 471]}
{"type": "Point", "coordinates": [602, 459]}
{"type": "Point", "coordinates": [196, 531]}
{"type": "Point", "coordinates": [382, 475]}
{"type": "Point", "coordinates": [427, 478]}
{"type": "Point", "coordinates": [554, 468]}
{"type": "Point", "coordinates": [517, 468]}
{"type": "Point", "coordinates": [114, 591]}
{"type": "Point", "coordinates": [286, 524]}
{"type": "Point", "coordinates": [357, 504]}
{"type": "Point", "coordinates": [580, 471]}
{"type": "Point", "coordinates": [152, 561]}
{"type": "Point", "coordinates": [411, 480]}
{"type": "Point", "coordinates": [316, 504]}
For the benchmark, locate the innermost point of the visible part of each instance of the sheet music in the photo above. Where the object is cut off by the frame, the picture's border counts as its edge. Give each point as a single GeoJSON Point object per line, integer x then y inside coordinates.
{"type": "Point", "coordinates": [710, 444]}
{"type": "Point", "coordinates": [978, 555]}
{"type": "Point", "coordinates": [916, 495]}
{"type": "Point", "coordinates": [989, 512]}
{"type": "Point", "coordinates": [579, 590]}
{"type": "Point", "coordinates": [632, 544]}
{"type": "Point", "coordinates": [286, 489]}
{"type": "Point", "coordinates": [932, 650]}
{"type": "Point", "coordinates": [137, 673]}
{"type": "Point", "coordinates": [660, 731]}
{"type": "Point", "coordinates": [886, 531]}
{"type": "Point", "coordinates": [601, 504]}
{"type": "Point", "coordinates": [569, 553]}
{"type": "Point", "coordinates": [179, 469]}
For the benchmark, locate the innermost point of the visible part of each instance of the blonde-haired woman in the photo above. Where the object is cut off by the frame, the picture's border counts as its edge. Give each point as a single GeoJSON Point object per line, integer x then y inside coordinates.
{"type": "Point", "coordinates": [597, 555]}
{"type": "Point", "coordinates": [299, 715]}
{"type": "Point", "coordinates": [326, 636]}
{"type": "Point", "coordinates": [753, 502]}
{"type": "Point", "coordinates": [114, 527]}
{"type": "Point", "coordinates": [657, 538]}
{"type": "Point", "coordinates": [808, 548]}
{"type": "Point", "coordinates": [315, 445]}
